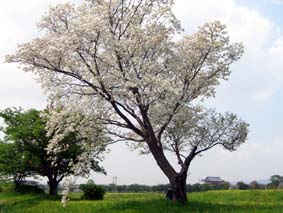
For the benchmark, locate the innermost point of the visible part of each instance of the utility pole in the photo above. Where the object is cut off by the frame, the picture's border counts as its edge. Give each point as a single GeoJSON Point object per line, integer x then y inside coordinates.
{"type": "Point", "coordinates": [114, 183]}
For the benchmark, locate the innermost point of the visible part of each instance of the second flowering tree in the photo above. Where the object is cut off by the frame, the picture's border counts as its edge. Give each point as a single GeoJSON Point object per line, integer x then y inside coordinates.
{"type": "Point", "coordinates": [53, 143]}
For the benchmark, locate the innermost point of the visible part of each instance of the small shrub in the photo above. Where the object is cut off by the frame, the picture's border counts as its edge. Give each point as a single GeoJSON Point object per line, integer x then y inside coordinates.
{"type": "Point", "coordinates": [92, 192]}
{"type": "Point", "coordinates": [242, 186]}
{"type": "Point", "coordinates": [81, 187]}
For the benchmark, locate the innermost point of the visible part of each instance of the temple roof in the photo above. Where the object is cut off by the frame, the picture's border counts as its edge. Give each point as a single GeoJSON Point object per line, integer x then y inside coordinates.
{"type": "Point", "coordinates": [213, 179]}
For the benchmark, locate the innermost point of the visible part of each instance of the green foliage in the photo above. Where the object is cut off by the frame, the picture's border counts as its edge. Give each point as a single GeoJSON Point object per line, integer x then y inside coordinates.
{"type": "Point", "coordinates": [25, 137]}
{"type": "Point", "coordinates": [6, 186]}
{"type": "Point", "coordinates": [197, 187]}
{"type": "Point", "coordinates": [275, 180]}
{"type": "Point", "coordinates": [25, 189]}
{"type": "Point", "coordinates": [121, 188]}
{"type": "Point", "coordinates": [24, 152]}
{"type": "Point", "coordinates": [138, 188]}
{"type": "Point", "coordinates": [81, 187]}
{"type": "Point", "coordinates": [224, 186]}
{"type": "Point", "coordinates": [160, 188]}
{"type": "Point", "coordinates": [207, 187]}
{"type": "Point", "coordinates": [14, 164]}
{"type": "Point", "coordinates": [26, 129]}
{"type": "Point", "coordinates": [92, 192]}
{"type": "Point", "coordinates": [194, 188]}
{"type": "Point", "coordinates": [242, 186]}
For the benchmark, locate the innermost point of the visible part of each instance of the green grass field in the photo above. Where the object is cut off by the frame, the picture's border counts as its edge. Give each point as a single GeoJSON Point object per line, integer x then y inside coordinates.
{"type": "Point", "coordinates": [212, 201]}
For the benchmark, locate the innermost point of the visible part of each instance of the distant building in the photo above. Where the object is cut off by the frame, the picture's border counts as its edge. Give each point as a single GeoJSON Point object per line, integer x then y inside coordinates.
{"type": "Point", "coordinates": [213, 180]}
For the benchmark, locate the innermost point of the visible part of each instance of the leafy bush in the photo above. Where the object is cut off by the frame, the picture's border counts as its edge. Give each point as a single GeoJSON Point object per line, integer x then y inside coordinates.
{"type": "Point", "coordinates": [92, 192]}
{"type": "Point", "coordinates": [223, 186]}
{"type": "Point", "coordinates": [25, 189]}
{"type": "Point", "coordinates": [81, 187]}
{"type": "Point", "coordinates": [242, 186]}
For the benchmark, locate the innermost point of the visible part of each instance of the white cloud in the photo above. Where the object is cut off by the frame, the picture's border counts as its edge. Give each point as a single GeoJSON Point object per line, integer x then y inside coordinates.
{"type": "Point", "coordinates": [263, 95]}
{"type": "Point", "coordinates": [244, 24]}
{"type": "Point", "coordinates": [277, 1]}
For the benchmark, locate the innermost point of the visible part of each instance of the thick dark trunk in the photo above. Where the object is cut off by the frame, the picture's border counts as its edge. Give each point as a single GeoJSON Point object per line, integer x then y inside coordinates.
{"type": "Point", "coordinates": [53, 187]}
{"type": "Point", "coordinates": [177, 180]}
{"type": "Point", "coordinates": [178, 187]}
{"type": "Point", "coordinates": [17, 184]}
{"type": "Point", "coordinates": [161, 160]}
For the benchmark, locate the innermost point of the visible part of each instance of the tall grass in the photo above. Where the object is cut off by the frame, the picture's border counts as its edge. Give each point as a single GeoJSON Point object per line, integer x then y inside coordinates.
{"type": "Point", "coordinates": [211, 201]}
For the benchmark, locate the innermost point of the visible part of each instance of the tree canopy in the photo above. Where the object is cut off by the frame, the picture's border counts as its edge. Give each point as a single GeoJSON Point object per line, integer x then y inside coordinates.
{"type": "Point", "coordinates": [31, 149]}
{"type": "Point", "coordinates": [131, 64]}
{"type": "Point", "coordinates": [14, 164]}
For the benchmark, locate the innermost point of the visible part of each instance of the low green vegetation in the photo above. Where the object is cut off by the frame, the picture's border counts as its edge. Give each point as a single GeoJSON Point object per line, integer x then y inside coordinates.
{"type": "Point", "coordinates": [211, 201]}
{"type": "Point", "coordinates": [92, 192]}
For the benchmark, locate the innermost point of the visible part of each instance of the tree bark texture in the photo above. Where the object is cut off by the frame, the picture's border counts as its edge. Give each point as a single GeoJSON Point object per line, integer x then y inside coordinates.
{"type": "Point", "coordinates": [53, 187]}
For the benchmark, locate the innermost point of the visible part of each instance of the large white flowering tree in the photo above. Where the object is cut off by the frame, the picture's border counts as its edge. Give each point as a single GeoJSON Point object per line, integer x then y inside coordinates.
{"type": "Point", "coordinates": [125, 60]}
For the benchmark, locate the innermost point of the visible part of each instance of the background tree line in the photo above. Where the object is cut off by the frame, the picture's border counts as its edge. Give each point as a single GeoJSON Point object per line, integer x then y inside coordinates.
{"type": "Point", "coordinates": [275, 182]}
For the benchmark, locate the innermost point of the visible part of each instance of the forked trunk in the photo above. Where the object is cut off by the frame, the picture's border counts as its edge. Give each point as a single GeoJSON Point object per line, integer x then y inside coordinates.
{"type": "Point", "coordinates": [177, 180]}
{"type": "Point", "coordinates": [178, 187]}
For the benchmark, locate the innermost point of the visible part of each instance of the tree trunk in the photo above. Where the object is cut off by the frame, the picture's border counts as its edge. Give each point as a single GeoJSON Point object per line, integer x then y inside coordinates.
{"type": "Point", "coordinates": [53, 187]}
{"type": "Point", "coordinates": [178, 187]}
{"type": "Point", "coordinates": [17, 182]}
{"type": "Point", "coordinates": [177, 180]}
{"type": "Point", "coordinates": [16, 185]}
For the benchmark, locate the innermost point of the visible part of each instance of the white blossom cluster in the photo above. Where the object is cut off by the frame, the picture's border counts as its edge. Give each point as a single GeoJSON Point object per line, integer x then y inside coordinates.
{"type": "Point", "coordinates": [67, 187]}
{"type": "Point", "coordinates": [66, 127]}
{"type": "Point", "coordinates": [204, 128]}
{"type": "Point", "coordinates": [88, 133]}
{"type": "Point", "coordinates": [127, 47]}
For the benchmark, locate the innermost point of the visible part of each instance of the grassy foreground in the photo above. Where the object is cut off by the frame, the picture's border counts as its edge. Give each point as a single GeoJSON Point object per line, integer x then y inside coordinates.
{"type": "Point", "coordinates": [212, 201]}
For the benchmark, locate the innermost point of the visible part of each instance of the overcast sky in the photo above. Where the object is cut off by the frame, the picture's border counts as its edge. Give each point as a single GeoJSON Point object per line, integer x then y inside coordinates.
{"type": "Point", "coordinates": [254, 91]}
